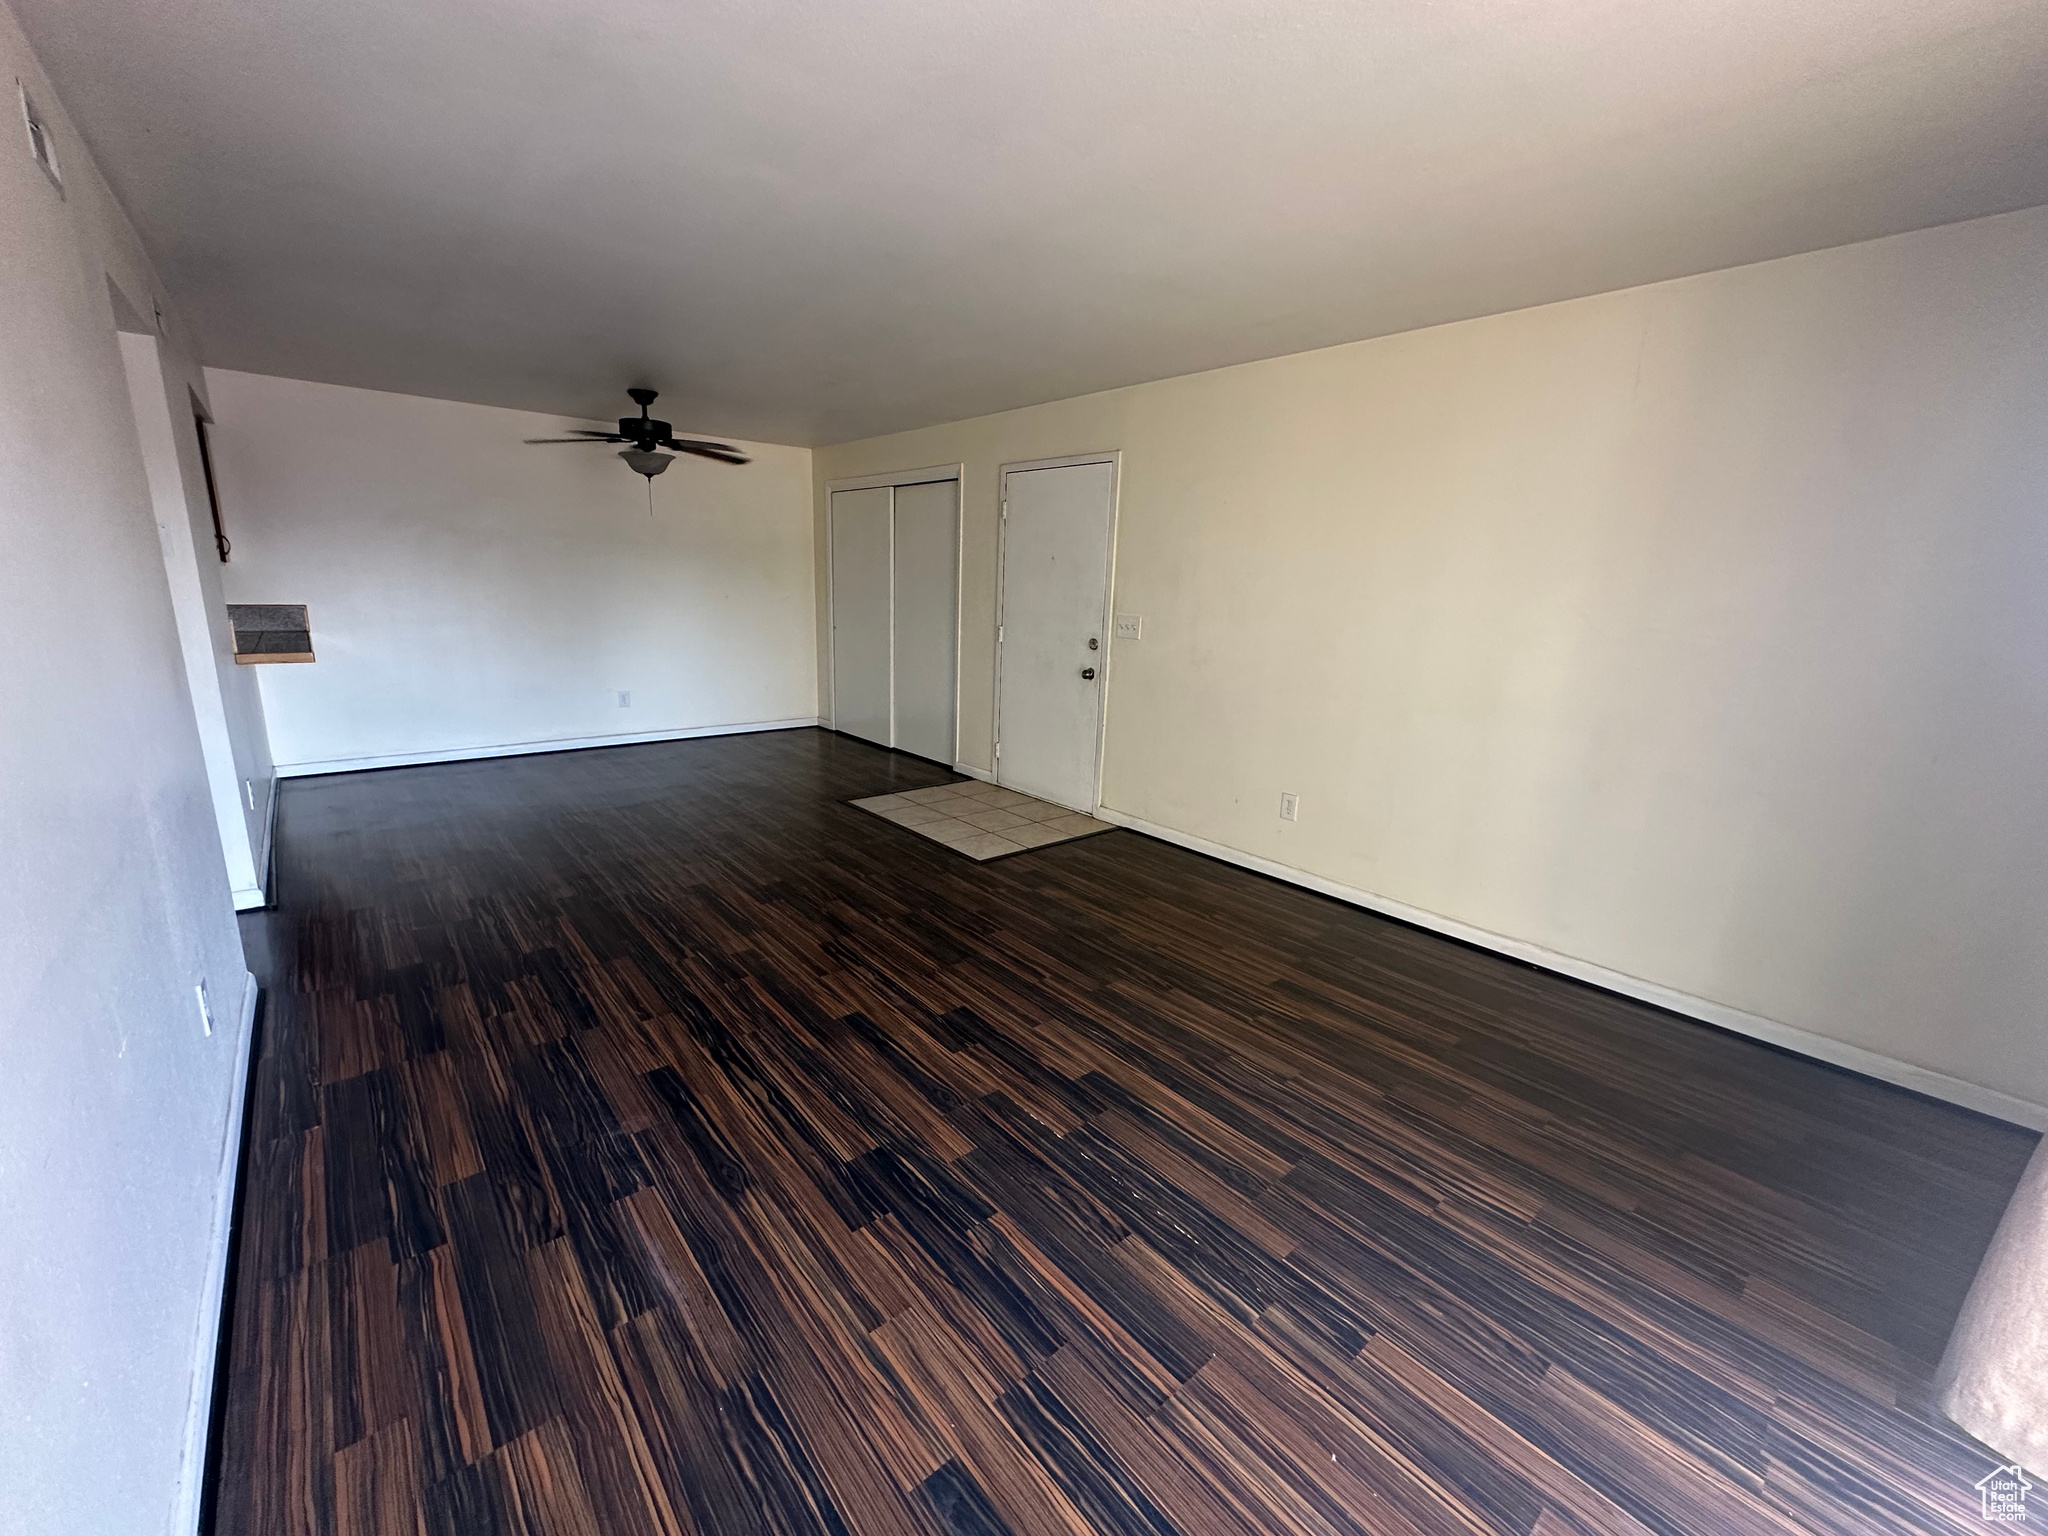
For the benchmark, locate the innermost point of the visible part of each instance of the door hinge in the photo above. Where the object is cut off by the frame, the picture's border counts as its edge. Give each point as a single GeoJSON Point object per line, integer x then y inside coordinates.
{"type": "Point", "coordinates": [999, 634]}
{"type": "Point", "coordinates": [999, 750]}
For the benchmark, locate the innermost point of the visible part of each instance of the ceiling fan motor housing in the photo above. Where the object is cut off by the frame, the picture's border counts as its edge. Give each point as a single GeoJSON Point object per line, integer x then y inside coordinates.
{"type": "Point", "coordinates": [644, 430]}
{"type": "Point", "coordinates": [649, 438]}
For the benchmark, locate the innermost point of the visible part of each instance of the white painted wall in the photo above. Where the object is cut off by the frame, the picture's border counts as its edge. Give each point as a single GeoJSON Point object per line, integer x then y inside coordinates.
{"type": "Point", "coordinates": [469, 593]}
{"type": "Point", "coordinates": [225, 701]}
{"type": "Point", "coordinates": [1696, 633]}
{"type": "Point", "coordinates": [116, 1112]}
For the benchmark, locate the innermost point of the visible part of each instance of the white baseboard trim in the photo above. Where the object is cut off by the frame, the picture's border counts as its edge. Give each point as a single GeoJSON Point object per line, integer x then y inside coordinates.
{"type": "Point", "coordinates": [975, 773]}
{"type": "Point", "coordinates": [1936, 1085]}
{"type": "Point", "coordinates": [524, 748]}
{"type": "Point", "coordinates": [212, 1301]}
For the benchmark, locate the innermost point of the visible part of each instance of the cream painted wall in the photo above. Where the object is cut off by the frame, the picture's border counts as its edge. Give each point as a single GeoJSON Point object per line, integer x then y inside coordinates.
{"type": "Point", "coordinates": [225, 700]}
{"type": "Point", "coordinates": [468, 592]}
{"type": "Point", "coordinates": [1697, 632]}
{"type": "Point", "coordinates": [117, 1112]}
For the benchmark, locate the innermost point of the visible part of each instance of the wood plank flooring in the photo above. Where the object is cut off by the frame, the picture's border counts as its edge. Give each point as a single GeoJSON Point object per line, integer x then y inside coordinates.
{"type": "Point", "coordinates": [646, 1142]}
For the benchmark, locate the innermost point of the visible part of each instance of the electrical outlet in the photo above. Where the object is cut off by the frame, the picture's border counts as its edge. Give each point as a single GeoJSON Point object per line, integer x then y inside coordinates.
{"type": "Point", "coordinates": [1130, 626]}
{"type": "Point", "coordinates": [1290, 807]}
{"type": "Point", "coordinates": [205, 1008]}
{"type": "Point", "coordinates": [625, 698]}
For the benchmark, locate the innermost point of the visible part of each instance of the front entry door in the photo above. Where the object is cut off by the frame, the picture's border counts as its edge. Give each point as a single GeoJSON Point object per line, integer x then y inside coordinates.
{"type": "Point", "coordinates": [1056, 548]}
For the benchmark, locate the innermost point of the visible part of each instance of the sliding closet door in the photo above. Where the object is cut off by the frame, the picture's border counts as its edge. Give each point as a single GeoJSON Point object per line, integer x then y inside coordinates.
{"type": "Point", "coordinates": [896, 615]}
{"type": "Point", "coordinates": [927, 616]}
{"type": "Point", "coordinates": [860, 613]}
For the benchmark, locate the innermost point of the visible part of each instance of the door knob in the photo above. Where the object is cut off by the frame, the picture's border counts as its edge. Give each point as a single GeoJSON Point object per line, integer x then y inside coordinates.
{"type": "Point", "coordinates": [1089, 673]}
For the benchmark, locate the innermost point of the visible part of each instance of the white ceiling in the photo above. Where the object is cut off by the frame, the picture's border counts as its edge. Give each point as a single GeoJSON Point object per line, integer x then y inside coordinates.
{"type": "Point", "coordinates": [807, 222]}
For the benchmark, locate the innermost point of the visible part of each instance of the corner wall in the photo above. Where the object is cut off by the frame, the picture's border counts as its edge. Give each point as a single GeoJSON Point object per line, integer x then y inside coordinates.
{"type": "Point", "coordinates": [167, 398]}
{"type": "Point", "coordinates": [1691, 636]}
{"type": "Point", "coordinates": [470, 594]}
{"type": "Point", "coordinates": [117, 1113]}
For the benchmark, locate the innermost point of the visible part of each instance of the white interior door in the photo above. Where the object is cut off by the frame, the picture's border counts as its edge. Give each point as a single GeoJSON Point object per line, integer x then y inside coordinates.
{"type": "Point", "coordinates": [1056, 537]}
{"type": "Point", "coordinates": [927, 616]}
{"type": "Point", "coordinates": [862, 571]}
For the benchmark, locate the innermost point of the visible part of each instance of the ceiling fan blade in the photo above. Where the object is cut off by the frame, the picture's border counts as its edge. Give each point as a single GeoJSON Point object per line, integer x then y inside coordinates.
{"type": "Point", "coordinates": [591, 439]}
{"type": "Point", "coordinates": [725, 453]}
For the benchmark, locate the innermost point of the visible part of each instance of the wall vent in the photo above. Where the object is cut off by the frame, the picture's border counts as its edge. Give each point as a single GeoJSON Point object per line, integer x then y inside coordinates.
{"type": "Point", "coordinates": [270, 632]}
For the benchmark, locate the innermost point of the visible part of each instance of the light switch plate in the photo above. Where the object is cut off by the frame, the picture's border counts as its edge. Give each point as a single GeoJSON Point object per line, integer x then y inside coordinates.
{"type": "Point", "coordinates": [1130, 626]}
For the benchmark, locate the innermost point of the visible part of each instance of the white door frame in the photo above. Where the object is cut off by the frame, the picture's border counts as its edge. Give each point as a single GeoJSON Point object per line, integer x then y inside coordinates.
{"type": "Point", "coordinates": [1114, 458]}
{"type": "Point", "coordinates": [957, 473]}
{"type": "Point", "coordinates": [896, 477]}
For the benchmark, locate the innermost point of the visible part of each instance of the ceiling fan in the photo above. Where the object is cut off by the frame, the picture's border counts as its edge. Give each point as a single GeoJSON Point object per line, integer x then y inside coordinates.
{"type": "Point", "coordinates": [647, 438]}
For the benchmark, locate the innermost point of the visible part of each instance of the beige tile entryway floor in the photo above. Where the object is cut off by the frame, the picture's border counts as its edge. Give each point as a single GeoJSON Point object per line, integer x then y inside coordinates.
{"type": "Point", "coordinates": [983, 821]}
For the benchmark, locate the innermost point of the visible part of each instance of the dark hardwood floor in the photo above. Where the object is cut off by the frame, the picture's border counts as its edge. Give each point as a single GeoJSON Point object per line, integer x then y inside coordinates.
{"type": "Point", "coordinates": [643, 1141]}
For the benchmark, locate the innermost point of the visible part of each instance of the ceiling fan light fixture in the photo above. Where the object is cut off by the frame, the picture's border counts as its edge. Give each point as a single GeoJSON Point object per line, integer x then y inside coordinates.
{"type": "Point", "coordinates": [647, 462]}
